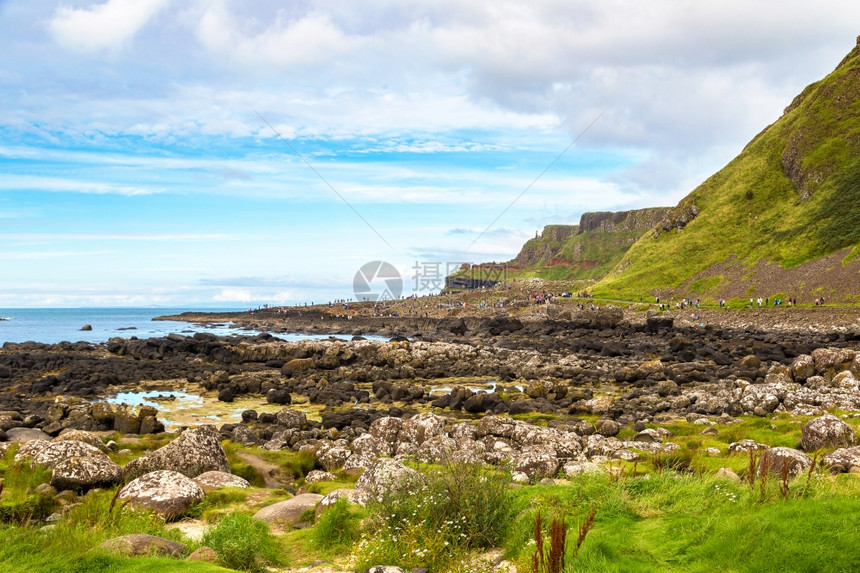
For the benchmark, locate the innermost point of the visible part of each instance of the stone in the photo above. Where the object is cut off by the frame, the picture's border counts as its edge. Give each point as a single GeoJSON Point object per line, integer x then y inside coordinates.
{"type": "Point", "coordinates": [137, 544]}
{"type": "Point", "coordinates": [82, 436]}
{"type": "Point", "coordinates": [22, 435]}
{"type": "Point", "coordinates": [607, 428]}
{"type": "Point", "coordinates": [537, 461]}
{"type": "Point", "coordinates": [418, 429]}
{"type": "Point", "coordinates": [387, 475]}
{"type": "Point", "coordinates": [577, 468]}
{"type": "Point", "coordinates": [386, 428]}
{"type": "Point", "coordinates": [195, 451]}
{"type": "Point", "coordinates": [288, 512]}
{"type": "Point", "coordinates": [648, 435]}
{"type": "Point", "coordinates": [205, 554]}
{"type": "Point", "coordinates": [778, 460]}
{"type": "Point", "coordinates": [728, 474]}
{"type": "Point", "coordinates": [49, 454]}
{"type": "Point", "coordinates": [384, 569]}
{"type": "Point", "coordinates": [826, 431]}
{"type": "Point", "coordinates": [843, 460]}
{"type": "Point", "coordinates": [292, 419]}
{"type": "Point", "coordinates": [349, 494]}
{"type": "Point", "coordinates": [85, 473]}
{"type": "Point", "coordinates": [315, 476]}
{"type": "Point", "coordinates": [217, 479]}
{"type": "Point", "coordinates": [746, 445]}
{"type": "Point", "coordinates": [802, 368]}
{"type": "Point", "coordinates": [167, 493]}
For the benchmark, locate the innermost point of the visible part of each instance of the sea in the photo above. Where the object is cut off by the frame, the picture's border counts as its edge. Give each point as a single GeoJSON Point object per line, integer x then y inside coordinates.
{"type": "Point", "coordinates": [53, 325]}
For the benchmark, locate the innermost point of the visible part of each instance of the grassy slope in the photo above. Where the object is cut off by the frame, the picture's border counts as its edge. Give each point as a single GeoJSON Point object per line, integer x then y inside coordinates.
{"type": "Point", "coordinates": [751, 209]}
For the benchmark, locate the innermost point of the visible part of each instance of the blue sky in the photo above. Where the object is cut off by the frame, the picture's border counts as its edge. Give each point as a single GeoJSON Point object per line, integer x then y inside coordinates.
{"type": "Point", "coordinates": [155, 152]}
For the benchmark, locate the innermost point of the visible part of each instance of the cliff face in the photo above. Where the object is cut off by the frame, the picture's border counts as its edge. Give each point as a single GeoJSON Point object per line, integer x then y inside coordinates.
{"type": "Point", "coordinates": [587, 250]}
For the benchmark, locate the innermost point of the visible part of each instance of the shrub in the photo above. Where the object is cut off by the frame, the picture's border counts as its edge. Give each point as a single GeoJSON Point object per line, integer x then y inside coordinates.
{"type": "Point", "coordinates": [338, 526]}
{"type": "Point", "coordinates": [242, 542]}
{"type": "Point", "coordinates": [458, 509]}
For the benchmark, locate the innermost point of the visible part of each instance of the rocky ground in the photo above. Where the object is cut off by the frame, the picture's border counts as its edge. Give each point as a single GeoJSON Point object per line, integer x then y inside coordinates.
{"type": "Point", "coordinates": [537, 393]}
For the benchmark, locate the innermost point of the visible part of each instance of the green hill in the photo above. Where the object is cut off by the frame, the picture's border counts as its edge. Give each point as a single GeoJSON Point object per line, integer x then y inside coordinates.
{"type": "Point", "coordinates": [782, 218]}
{"type": "Point", "coordinates": [585, 251]}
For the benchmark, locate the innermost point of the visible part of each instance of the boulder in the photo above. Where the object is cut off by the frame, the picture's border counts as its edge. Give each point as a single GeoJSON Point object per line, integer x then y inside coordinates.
{"type": "Point", "coordinates": [83, 473]}
{"type": "Point", "coordinates": [50, 454]}
{"type": "Point", "coordinates": [82, 436]}
{"type": "Point", "coordinates": [195, 451]}
{"type": "Point", "coordinates": [142, 544]}
{"type": "Point", "coordinates": [776, 461]}
{"type": "Point", "coordinates": [385, 476]}
{"type": "Point", "coordinates": [802, 368]}
{"type": "Point", "coordinates": [292, 419]}
{"type": "Point", "coordinates": [22, 435]}
{"type": "Point", "coordinates": [315, 476]}
{"type": "Point", "coordinates": [842, 460]}
{"type": "Point", "coordinates": [289, 511]}
{"type": "Point", "coordinates": [827, 431]}
{"type": "Point", "coordinates": [167, 493]}
{"type": "Point", "coordinates": [607, 428]}
{"type": "Point", "coordinates": [216, 479]}
{"type": "Point", "coordinates": [422, 427]}
{"type": "Point", "coordinates": [205, 554]}
{"type": "Point", "coordinates": [537, 461]}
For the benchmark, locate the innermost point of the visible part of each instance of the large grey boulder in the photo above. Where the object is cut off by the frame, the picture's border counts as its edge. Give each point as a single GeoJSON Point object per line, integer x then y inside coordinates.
{"type": "Point", "coordinates": [536, 462]}
{"type": "Point", "coordinates": [289, 511]}
{"type": "Point", "coordinates": [777, 461]}
{"type": "Point", "coordinates": [827, 431]}
{"type": "Point", "coordinates": [82, 436]}
{"type": "Point", "coordinates": [417, 429]}
{"type": "Point", "coordinates": [385, 476]}
{"type": "Point", "coordinates": [49, 454]}
{"type": "Point", "coordinates": [142, 544]}
{"type": "Point", "coordinates": [85, 473]}
{"type": "Point", "coordinates": [165, 492]}
{"type": "Point", "coordinates": [195, 451]}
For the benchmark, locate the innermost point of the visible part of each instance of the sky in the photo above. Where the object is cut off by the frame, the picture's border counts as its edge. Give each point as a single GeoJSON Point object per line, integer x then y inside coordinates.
{"type": "Point", "coordinates": [206, 153]}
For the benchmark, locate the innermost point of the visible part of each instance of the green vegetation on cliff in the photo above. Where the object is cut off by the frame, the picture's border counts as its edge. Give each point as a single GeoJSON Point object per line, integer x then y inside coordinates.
{"type": "Point", "coordinates": [790, 197]}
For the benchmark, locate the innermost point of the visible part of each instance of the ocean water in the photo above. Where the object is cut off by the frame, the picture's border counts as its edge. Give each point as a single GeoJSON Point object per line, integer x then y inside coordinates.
{"type": "Point", "coordinates": [53, 325]}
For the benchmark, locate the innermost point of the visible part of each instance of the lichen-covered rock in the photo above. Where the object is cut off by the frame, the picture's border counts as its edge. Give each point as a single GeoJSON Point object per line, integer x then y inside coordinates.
{"type": "Point", "coordinates": [576, 468]}
{"type": "Point", "coordinates": [289, 511]}
{"type": "Point", "coordinates": [334, 458]}
{"type": "Point", "coordinates": [387, 475]}
{"type": "Point", "coordinates": [82, 436]}
{"type": "Point", "coordinates": [369, 446]}
{"type": "Point", "coordinates": [351, 495]}
{"type": "Point", "coordinates": [167, 493]}
{"type": "Point", "coordinates": [292, 419]}
{"type": "Point", "coordinates": [137, 544]}
{"type": "Point", "coordinates": [802, 368]}
{"type": "Point", "coordinates": [315, 476]}
{"type": "Point", "coordinates": [536, 462]}
{"type": "Point", "coordinates": [85, 473]}
{"type": "Point", "coordinates": [195, 451]}
{"type": "Point", "coordinates": [826, 431]}
{"type": "Point", "coordinates": [495, 426]}
{"type": "Point", "coordinates": [217, 479]}
{"type": "Point", "coordinates": [418, 429]}
{"type": "Point", "coordinates": [746, 445]}
{"type": "Point", "coordinates": [50, 454]}
{"type": "Point", "coordinates": [777, 461]}
{"type": "Point", "coordinates": [386, 429]}
{"type": "Point", "coordinates": [842, 460]}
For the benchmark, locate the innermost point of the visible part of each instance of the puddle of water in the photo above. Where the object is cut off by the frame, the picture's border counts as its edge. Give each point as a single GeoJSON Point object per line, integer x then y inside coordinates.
{"type": "Point", "coordinates": [176, 399]}
{"type": "Point", "coordinates": [489, 386]}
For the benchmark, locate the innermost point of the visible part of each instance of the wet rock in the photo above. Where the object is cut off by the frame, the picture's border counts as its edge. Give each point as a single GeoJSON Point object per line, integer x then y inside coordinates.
{"type": "Point", "coordinates": [195, 451]}
{"type": "Point", "coordinates": [167, 493]}
{"type": "Point", "coordinates": [826, 431]}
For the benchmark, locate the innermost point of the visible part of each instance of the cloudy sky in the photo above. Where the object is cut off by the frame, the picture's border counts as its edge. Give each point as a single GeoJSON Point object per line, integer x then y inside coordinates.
{"type": "Point", "coordinates": [218, 152]}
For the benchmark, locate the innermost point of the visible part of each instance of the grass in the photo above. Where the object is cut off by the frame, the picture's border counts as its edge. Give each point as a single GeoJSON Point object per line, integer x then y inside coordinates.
{"type": "Point", "coordinates": [243, 542]}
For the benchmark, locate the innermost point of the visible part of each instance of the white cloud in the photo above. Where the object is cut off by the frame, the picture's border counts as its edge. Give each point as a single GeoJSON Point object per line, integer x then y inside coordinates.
{"type": "Point", "coordinates": [102, 26]}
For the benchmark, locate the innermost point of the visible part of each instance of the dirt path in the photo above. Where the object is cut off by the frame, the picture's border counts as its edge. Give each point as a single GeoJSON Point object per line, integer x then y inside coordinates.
{"type": "Point", "coordinates": [267, 469]}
